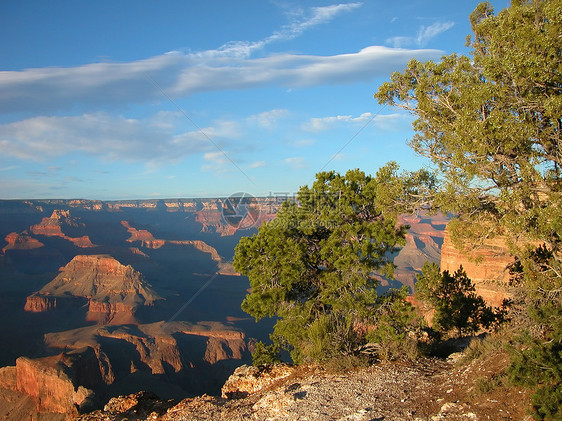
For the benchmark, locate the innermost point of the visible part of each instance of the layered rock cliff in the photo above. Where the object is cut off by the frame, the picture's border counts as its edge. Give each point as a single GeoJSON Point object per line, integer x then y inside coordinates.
{"type": "Point", "coordinates": [113, 290]}
{"type": "Point", "coordinates": [183, 357]}
{"type": "Point", "coordinates": [62, 383]}
{"type": "Point", "coordinates": [21, 241]}
{"type": "Point", "coordinates": [147, 240]}
{"type": "Point", "coordinates": [485, 266]}
{"type": "Point", "coordinates": [53, 227]}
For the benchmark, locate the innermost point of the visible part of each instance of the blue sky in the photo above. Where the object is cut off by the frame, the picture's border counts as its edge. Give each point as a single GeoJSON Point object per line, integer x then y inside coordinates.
{"type": "Point", "coordinates": [160, 99]}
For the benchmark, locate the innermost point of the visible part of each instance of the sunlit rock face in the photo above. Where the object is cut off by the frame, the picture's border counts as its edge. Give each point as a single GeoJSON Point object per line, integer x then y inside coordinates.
{"type": "Point", "coordinates": [113, 291]}
{"type": "Point", "coordinates": [21, 241]}
{"type": "Point", "coordinates": [54, 227]}
{"type": "Point", "coordinates": [485, 266]}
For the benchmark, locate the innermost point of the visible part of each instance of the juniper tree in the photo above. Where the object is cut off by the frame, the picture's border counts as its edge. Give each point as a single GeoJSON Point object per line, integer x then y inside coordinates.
{"type": "Point", "coordinates": [313, 266]}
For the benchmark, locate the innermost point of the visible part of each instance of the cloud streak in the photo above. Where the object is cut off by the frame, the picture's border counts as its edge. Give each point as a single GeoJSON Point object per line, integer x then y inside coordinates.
{"type": "Point", "coordinates": [152, 140]}
{"type": "Point", "coordinates": [424, 35]}
{"type": "Point", "coordinates": [319, 124]}
{"type": "Point", "coordinates": [108, 137]}
{"type": "Point", "coordinates": [91, 86]}
{"type": "Point", "coordinates": [301, 22]}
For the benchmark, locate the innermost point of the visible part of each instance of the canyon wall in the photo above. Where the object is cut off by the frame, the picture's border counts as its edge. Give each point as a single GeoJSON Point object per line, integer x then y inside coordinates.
{"type": "Point", "coordinates": [485, 266]}
{"type": "Point", "coordinates": [62, 383]}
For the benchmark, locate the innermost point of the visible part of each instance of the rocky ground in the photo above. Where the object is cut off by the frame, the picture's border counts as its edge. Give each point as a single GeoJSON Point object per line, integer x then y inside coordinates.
{"type": "Point", "coordinates": [430, 389]}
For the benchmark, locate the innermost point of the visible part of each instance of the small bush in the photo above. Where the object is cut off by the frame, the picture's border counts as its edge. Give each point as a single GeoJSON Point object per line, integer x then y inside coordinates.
{"type": "Point", "coordinates": [486, 384]}
{"type": "Point", "coordinates": [346, 363]}
{"type": "Point", "coordinates": [265, 354]}
{"type": "Point", "coordinates": [456, 304]}
{"type": "Point", "coordinates": [482, 347]}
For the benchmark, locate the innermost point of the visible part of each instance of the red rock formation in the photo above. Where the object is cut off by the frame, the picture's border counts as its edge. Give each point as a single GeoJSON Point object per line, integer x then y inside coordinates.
{"type": "Point", "coordinates": [153, 244]}
{"type": "Point", "coordinates": [137, 235]}
{"type": "Point", "coordinates": [110, 313]}
{"type": "Point", "coordinates": [22, 241]}
{"type": "Point", "coordinates": [485, 266]}
{"type": "Point", "coordinates": [423, 241]}
{"type": "Point", "coordinates": [8, 378]}
{"type": "Point", "coordinates": [83, 242]}
{"type": "Point", "coordinates": [112, 289]}
{"type": "Point", "coordinates": [147, 240]}
{"type": "Point", "coordinates": [52, 227]}
{"type": "Point", "coordinates": [38, 304]}
{"type": "Point", "coordinates": [157, 345]}
{"type": "Point", "coordinates": [61, 383]}
{"type": "Point", "coordinates": [212, 221]}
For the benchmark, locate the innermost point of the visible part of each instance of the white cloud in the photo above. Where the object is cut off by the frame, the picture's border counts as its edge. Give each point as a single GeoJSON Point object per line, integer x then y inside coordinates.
{"type": "Point", "coordinates": [258, 164]}
{"type": "Point", "coordinates": [319, 124]}
{"type": "Point", "coordinates": [301, 21]}
{"type": "Point", "coordinates": [400, 42]}
{"type": "Point", "coordinates": [217, 161]}
{"type": "Point", "coordinates": [296, 162]}
{"type": "Point", "coordinates": [180, 75]}
{"type": "Point", "coordinates": [302, 143]}
{"type": "Point", "coordinates": [268, 119]}
{"type": "Point", "coordinates": [108, 137]}
{"type": "Point", "coordinates": [424, 35]}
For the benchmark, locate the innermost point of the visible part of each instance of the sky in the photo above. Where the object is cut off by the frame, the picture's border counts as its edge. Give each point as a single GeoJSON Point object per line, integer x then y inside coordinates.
{"type": "Point", "coordinates": [138, 99]}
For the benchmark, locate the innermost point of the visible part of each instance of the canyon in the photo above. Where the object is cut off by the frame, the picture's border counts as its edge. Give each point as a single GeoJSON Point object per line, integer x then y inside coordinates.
{"type": "Point", "coordinates": [108, 298]}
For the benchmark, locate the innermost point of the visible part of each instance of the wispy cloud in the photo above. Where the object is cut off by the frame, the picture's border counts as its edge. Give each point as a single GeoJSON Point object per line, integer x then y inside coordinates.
{"type": "Point", "coordinates": [268, 119]}
{"type": "Point", "coordinates": [258, 164]}
{"type": "Point", "coordinates": [230, 67]}
{"type": "Point", "coordinates": [319, 124]}
{"type": "Point", "coordinates": [296, 162]}
{"type": "Point", "coordinates": [8, 168]}
{"type": "Point", "coordinates": [108, 137]}
{"type": "Point", "coordinates": [424, 35]}
{"type": "Point", "coordinates": [216, 162]}
{"type": "Point", "coordinates": [300, 22]}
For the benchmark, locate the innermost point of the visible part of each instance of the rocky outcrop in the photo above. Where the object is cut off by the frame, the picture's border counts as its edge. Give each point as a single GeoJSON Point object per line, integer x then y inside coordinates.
{"type": "Point", "coordinates": [247, 380]}
{"type": "Point", "coordinates": [192, 356]}
{"type": "Point", "coordinates": [8, 378]}
{"type": "Point", "coordinates": [21, 241]}
{"type": "Point", "coordinates": [423, 243]}
{"type": "Point", "coordinates": [426, 390]}
{"type": "Point", "coordinates": [135, 234]}
{"type": "Point", "coordinates": [38, 304]}
{"type": "Point", "coordinates": [212, 221]}
{"type": "Point", "coordinates": [485, 266]}
{"type": "Point", "coordinates": [63, 383]}
{"type": "Point", "coordinates": [113, 291]}
{"type": "Point", "coordinates": [110, 313]}
{"type": "Point", "coordinates": [147, 240]}
{"type": "Point", "coordinates": [53, 227]}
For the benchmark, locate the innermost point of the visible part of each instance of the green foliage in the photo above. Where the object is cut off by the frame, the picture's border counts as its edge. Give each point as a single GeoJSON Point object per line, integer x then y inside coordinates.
{"type": "Point", "coordinates": [491, 126]}
{"type": "Point", "coordinates": [456, 304]}
{"type": "Point", "coordinates": [396, 320]}
{"type": "Point", "coordinates": [312, 267]}
{"type": "Point", "coordinates": [539, 365]}
{"type": "Point", "coordinates": [265, 354]}
{"type": "Point", "coordinates": [537, 362]}
{"type": "Point", "coordinates": [491, 123]}
{"type": "Point", "coordinates": [346, 363]}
